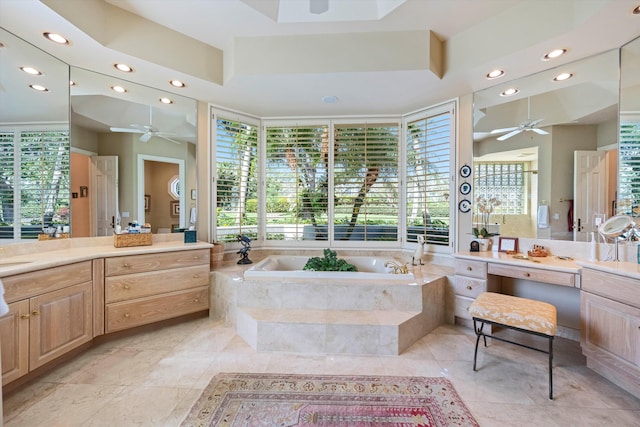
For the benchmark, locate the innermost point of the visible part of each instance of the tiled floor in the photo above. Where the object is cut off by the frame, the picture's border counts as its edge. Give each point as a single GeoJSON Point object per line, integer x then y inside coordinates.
{"type": "Point", "coordinates": [153, 378]}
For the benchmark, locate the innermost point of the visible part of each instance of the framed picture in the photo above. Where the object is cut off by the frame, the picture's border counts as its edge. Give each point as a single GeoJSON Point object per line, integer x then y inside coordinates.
{"type": "Point", "coordinates": [508, 244]}
{"type": "Point", "coordinates": [84, 191]}
{"type": "Point", "coordinates": [147, 203]}
{"type": "Point", "coordinates": [193, 194]}
{"type": "Point", "coordinates": [174, 207]}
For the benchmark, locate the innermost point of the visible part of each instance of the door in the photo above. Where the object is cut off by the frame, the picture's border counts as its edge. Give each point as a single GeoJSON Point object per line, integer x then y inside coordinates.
{"type": "Point", "coordinates": [589, 192]}
{"type": "Point", "coordinates": [104, 178]}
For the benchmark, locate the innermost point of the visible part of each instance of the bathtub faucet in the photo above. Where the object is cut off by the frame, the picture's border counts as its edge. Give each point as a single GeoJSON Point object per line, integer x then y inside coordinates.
{"type": "Point", "coordinates": [397, 268]}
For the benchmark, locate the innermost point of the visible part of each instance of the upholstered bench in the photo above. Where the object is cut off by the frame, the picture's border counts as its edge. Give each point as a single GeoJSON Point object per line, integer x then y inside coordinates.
{"type": "Point", "coordinates": [520, 314]}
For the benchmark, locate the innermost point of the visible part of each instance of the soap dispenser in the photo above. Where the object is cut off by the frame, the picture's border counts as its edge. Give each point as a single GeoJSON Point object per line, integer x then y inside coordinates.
{"type": "Point", "coordinates": [593, 256]}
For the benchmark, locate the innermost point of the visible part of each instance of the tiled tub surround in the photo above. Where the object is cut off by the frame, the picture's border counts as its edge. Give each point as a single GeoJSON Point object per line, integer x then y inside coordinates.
{"type": "Point", "coordinates": [331, 315]}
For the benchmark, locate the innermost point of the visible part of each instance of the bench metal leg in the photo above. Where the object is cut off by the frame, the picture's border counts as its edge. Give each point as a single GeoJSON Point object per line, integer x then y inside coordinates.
{"type": "Point", "coordinates": [551, 368]}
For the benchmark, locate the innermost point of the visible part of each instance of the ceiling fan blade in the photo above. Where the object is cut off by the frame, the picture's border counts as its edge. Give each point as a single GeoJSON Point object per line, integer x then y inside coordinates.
{"type": "Point", "coordinates": [540, 131]}
{"type": "Point", "coordinates": [145, 137]}
{"type": "Point", "coordinates": [509, 135]}
{"type": "Point", "coordinates": [128, 130]}
{"type": "Point", "coordinates": [534, 123]}
{"type": "Point", "coordinates": [503, 130]}
{"type": "Point", "coordinates": [169, 139]}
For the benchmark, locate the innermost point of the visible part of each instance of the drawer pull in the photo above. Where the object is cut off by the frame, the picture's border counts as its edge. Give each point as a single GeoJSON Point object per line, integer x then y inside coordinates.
{"type": "Point", "coordinates": [469, 268]}
{"type": "Point", "coordinates": [527, 275]}
{"type": "Point", "coordinates": [196, 257]}
{"type": "Point", "coordinates": [126, 286]}
{"type": "Point", "coordinates": [35, 312]}
{"type": "Point", "coordinates": [469, 287]}
{"type": "Point", "coordinates": [126, 315]}
{"type": "Point", "coordinates": [126, 265]}
{"type": "Point", "coordinates": [24, 316]}
{"type": "Point", "coordinates": [195, 276]}
{"type": "Point", "coordinates": [196, 300]}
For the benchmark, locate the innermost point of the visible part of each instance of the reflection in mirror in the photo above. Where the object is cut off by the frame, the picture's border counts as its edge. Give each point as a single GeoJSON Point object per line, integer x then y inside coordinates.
{"type": "Point", "coordinates": [548, 153]}
{"type": "Point", "coordinates": [128, 148]}
{"type": "Point", "coordinates": [629, 187]}
{"type": "Point", "coordinates": [34, 141]}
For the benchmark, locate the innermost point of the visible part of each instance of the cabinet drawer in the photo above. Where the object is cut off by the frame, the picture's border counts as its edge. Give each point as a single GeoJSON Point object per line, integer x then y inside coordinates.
{"type": "Point", "coordinates": [461, 306]}
{"type": "Point", "coordinates": [116, 266]}
{"type": "Point", "coordinates": [119, 288]}
{"type": "Point", "coordinates": [26, 285]}
{"type": "Point", "coordinates": [535, 274]}
{"type": "Point", "coordinates": [127, 314]}
{"type": "Point", "coordinates": [619, 288]}
{"type": "Point", "coordinates": [465, 267]}
{"type": "Point", "coordinates": [469, 287]}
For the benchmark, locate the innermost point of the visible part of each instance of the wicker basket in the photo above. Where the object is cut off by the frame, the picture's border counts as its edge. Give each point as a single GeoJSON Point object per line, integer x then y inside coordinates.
{"type": "Point", "coordinates": [134, 239]}
{"type": "Point", "coordinates": [44, 236]}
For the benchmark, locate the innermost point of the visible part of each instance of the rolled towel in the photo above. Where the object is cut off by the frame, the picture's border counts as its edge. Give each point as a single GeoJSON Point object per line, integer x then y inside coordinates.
{"type": "Point", "coordinates": [4, 308]}
{"type": "Point", "coordinates": [543, 216]}
{"type": "Point", "coordinates": [192, 216]}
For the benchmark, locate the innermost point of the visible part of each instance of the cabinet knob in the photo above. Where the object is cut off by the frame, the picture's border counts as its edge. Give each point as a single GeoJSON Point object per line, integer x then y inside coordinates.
{"type": "Point", "coordinates": [469, 269]}
{"type": "Point", "coordinates": [35, 312]}
{"type": "Point", "coordinates": [195, 276]}
{"type": "Point", "coordinates": [126, 286]}
{"type": "Point", "coordinates": [469, 287]}
{"type": "Point", "coordinates": [24, 316]}
{"type": "Point", "coordinates": [126, 315]}
{"type": "Point", "coordinates": [196, 257]}
{"type": "Point", "coordinates": [126, 265]}
{"type": "Point", "coordinates": [527, 274]}
{"type": "Point", "coordinates": [196, 300]}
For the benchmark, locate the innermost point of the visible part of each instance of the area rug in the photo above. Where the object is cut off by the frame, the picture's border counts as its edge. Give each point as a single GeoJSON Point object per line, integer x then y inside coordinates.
{"type": "Point", "coordinates": [284, 400]}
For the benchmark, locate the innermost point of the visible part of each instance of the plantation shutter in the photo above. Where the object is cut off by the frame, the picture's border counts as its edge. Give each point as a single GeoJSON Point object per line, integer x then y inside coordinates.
{"type": "Point", "coordinates": [44, 181]}
{"type": "Point", "coordinates": [366, 182]}
{"type": "Point", "coordinates": [429, 144]}
{"type": "Point", "coordinates": [629, 156]}
{"type": "Point", "coordinates": [7, 184]}
{"type": "Point", "coordinates": [235, 179]}
{"type": "Point", "coordinates": [297, 163]}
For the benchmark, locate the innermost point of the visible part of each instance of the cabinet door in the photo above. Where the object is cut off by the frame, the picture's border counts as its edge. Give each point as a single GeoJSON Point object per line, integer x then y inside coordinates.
{"type": "Point", "coordinates": [611, 326]}
{"type": "Point", "coordinates": [60, 321]}
{"type": "Point", "coordinates": [14, 341]}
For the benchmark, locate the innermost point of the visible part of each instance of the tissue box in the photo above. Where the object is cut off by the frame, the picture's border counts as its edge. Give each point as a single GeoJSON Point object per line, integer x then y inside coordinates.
{"type": "Point", "coordinates": [190, 236]}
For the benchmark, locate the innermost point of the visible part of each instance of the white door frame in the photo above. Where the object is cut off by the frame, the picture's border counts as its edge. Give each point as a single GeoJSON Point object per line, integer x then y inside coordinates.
{"type": "Point", "coordinates": [181, 175]}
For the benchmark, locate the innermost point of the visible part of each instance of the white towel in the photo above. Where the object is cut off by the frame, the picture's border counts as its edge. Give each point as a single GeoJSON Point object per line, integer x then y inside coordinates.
{"type": "Point", "coordinates": [4, 308]}
{"type": "Point", "coordinates": [543, 216]}
{"type": "Point", "coordinates": [192, 216]}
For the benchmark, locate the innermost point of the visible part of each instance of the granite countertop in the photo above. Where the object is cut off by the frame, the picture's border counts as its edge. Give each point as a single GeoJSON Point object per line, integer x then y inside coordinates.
{"type": "Point", "coordinates": [26, 257]}
{"type": "Point", "coordinates": [546, 263]}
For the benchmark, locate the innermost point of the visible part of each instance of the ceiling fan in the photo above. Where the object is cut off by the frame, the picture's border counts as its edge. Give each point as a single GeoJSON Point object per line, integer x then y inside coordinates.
{"type": "Point", "coordinates": [146, 131]}
{"type": "Point", "coordinates": [529, 125]}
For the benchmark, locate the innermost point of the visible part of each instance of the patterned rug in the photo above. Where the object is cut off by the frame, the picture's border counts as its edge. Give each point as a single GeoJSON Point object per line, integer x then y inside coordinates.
{"type": "Point", "coordinates": [284, 400]}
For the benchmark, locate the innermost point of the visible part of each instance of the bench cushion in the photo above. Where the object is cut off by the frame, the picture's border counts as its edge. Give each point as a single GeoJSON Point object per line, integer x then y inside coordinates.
{"type": "Point", "coordinates": [531, 315]}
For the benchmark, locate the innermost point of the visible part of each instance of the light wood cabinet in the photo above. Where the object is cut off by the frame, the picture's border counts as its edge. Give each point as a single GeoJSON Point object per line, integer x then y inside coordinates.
{"type": "Point", "coordinates": [50, 313]}
{"type": "Point", "coordinates": [610, 320]}
{"type": "Point", "coordinates": [471, 279]}
{"type": "Point", "coordinates": [142, 289]}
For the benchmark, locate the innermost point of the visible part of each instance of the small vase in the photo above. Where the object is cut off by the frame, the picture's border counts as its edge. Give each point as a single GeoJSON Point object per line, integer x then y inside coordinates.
{"type": "Point", "coordinates": [485, 244]}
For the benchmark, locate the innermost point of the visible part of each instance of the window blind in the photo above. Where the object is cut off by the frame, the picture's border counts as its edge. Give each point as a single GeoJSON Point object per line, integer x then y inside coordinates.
{"type": "Point", "coordinates": [366, 182]}
{"type": "Point", "coordinates": [429, 144]}
{"type": "Point", "coordinates": [297, 180]}
{"type": "Point", "coordinates": [235, 179]}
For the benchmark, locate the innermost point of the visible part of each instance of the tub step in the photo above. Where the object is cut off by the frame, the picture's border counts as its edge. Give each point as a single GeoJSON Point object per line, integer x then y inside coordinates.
{"type": "Point", "coordinates": [384, 332]}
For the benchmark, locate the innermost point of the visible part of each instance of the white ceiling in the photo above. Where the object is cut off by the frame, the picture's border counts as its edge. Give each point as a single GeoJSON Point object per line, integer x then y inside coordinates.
{"type": "Point", "coordinates": [252, 55]}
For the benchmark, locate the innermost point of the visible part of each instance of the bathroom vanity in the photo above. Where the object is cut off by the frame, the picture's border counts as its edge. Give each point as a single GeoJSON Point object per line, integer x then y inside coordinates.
{"type": "Point", "coordinates": [62, 295]}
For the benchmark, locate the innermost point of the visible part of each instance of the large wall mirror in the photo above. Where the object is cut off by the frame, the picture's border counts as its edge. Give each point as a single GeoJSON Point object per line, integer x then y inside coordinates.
{"type": "Point", "coordinates": [34, 140]}
{"type": "Point", "coordinates": [87, 154]}
{"type": "Point", "coordinates": [548, 153]}
{"type": "Point", "coordinates": [629, 187]}
{"type": "Point", "coordinates": [144, 140]}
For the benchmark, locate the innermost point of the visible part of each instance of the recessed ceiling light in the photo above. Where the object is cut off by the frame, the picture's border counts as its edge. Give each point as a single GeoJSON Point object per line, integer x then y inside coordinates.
{"type": "Point", "coordinates": [495, 74]}
{"type": "Point", "coordinates": [509, 92]}
{"type": "Point", "coordinates": [636, 10]}
{"type": "Point", "coordinates": [330, 99]}
{"type": "Point", "coordinates": [177, 83]}
{"type": "Point", "coordinates": [562, 76]}
{"type": "Point", "coordinates": [554, 54]}
{"type": "Point", "coordinates": [39, 88]}
{"type": "Point", "coordinates": [166, 101]}
{"type": "Point", "coordinates": [56, 38]}
{"type": "Point", "coordinates": [31, 70]}
{"type": "Point", "coordinates": [123, 67]}
{"type": "Point", "coordinates": [118, 89]}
